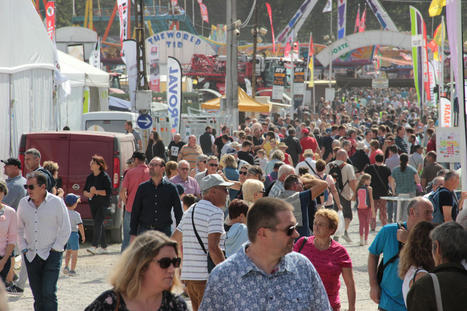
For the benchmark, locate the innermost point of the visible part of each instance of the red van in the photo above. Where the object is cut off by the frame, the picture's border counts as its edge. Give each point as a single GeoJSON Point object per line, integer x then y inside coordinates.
{"type": "Point", "coordinates": [73, 152]}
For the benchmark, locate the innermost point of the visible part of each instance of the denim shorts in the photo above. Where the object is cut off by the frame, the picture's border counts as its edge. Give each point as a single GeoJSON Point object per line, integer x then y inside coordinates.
{"type": "Point", "coordinates": [73, 241]}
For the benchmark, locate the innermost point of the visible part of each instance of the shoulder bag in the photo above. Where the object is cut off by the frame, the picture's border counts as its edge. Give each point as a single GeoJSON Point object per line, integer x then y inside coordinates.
{"type": "Point", "coordinates": [211, 263]}
{"type": "Point", "coordinates": [439, 301]}
{"type": "Point", "coordinates": [382, 266]}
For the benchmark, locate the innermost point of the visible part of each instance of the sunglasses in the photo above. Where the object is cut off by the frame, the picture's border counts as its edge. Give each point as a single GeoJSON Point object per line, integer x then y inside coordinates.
{"type": "Point", "coordinates": [213, 164]}
{"type": "Point", "coordinates": [242, 173]}
{"type": "Point", "coordinates": [30, 187]}
{"type": "Point", "coordinates": [165, 262]}
{"type": "Point", "coordinates": [289, 231]}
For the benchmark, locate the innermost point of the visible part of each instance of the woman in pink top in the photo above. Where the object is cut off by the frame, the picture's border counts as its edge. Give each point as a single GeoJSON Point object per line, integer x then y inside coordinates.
{"type": "Point", "coordinates": [7, 233]}
{"type": "Point", "coordinates": [329, 257]}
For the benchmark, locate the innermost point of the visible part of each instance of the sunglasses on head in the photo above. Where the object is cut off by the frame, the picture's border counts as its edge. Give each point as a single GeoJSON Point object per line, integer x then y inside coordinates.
{"type": "Point", "coordinates": [165, 262]}
{"type": "Point", "coordinates": [30, 187]}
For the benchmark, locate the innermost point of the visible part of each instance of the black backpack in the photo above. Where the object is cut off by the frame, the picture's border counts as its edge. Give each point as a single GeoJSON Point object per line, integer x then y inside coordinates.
{"type": "Point", "coordinates": [336, 172]}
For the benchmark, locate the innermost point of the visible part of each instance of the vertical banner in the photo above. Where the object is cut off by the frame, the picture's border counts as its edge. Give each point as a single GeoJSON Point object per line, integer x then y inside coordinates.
{"type": "Point", "coordinates": [362, 23]}
{"type": "Point", "coordinates": [129, 58]}
{"type": "Point", "coordinates": [299, 85]}
{"type": "Point", "coordinates": [95, 57]}
{"type": "Point", "coordinates": [328, 7]}
{"type": "Point", "coordinates": [311, 58]}
{"type": "Point", "coordinates": [417, 51]}
{"type": "Point", "coordinates": [445, 112]}
{"type": "Point", "coordinates": [123, 16]}
{"type": "Point", "coordinates": [297, 20]}
{"type": "Point", "coordinates": [381, 15]}
{"type": "Point", "coordinates": [204, 12]}
{"type": "Point", "coordinates": [341, 17]}
{"type": "Point", "coordinates": [50, 19]}
{"type": "Point", "coordinates": [174, 93]}
{"type": "Point", "coordinates": [268, 8]}
{"type": "Point", "coordinates": [278, 83]}
{"type": "Point", "coordinates": [357, 21]}
{"type": "Point", "coordinates": [154, 69]}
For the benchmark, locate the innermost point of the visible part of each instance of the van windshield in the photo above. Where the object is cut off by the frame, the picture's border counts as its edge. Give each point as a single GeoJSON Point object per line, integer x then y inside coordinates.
{"type": "Point", "coordinates": [117, 126]}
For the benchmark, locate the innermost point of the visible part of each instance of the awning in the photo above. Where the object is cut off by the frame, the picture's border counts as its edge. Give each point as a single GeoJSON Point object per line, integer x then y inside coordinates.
{"type": "Point", "coordinates": [245, 103]}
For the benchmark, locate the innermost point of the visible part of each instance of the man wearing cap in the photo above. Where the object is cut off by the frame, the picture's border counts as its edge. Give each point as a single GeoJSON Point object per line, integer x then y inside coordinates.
{"type": "Point", "coordinates": [188, 183]}
{"type": "Point", "coordinates": [154, 201]}
{"type": "Point", "coordinates": [15, 182]}
{"type": "Point", "coordinates": [308, 142]}
{"type": "Point", "coordinates": [208, 219]}
{"type": "Point", "coordinates": [307, 163]}
{"type": "Point", "coordinates": [133, 178]}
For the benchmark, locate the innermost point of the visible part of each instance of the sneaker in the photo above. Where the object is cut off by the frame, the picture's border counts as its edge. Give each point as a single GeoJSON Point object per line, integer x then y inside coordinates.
{"type": "Point", "coordinates": [92, 250]}
{"type": "Point", "coordinates": [72, 273]}
{"type": "Point", "coordinates": [14, 290]}
{"type": "Point", "coordinates": [101, 250]}
{"type": "Point", "coordinates": [347, 238]}
{"type": "Point", "coordinates": [366, 242]}
{"type": "Point", "coordinates": [66, 270]}
{"type": "Point", "coordinates": [361, 241]}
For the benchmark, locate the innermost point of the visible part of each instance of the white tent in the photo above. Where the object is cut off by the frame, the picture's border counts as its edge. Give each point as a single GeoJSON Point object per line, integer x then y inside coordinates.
{"type": "Point", "coordinates": [89, 90]}
{"type": "Point", "coordinates": [26, 75]}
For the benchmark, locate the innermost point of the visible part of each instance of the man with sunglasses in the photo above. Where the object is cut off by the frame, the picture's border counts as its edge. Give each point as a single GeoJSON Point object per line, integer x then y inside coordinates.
{"type": "Point", "coordinates": [212, 167]}
{"type": "Point", "coordinates": [265, 273]}
{"type": "Point", "coordinates": [43, 230]}
{"type": "Point", "coordinates": [154, 201]}
{"type": "Point", "coordinates": [201, 232]}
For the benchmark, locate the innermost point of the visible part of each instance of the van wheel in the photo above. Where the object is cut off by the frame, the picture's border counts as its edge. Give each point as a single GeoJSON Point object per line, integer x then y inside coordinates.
{"type": "Point", "coordinates": [116, 235]}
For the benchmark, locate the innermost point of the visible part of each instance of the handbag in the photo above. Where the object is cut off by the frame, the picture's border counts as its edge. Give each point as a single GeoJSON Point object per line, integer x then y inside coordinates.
{"type": "Point", "coordinates": [211, 263]}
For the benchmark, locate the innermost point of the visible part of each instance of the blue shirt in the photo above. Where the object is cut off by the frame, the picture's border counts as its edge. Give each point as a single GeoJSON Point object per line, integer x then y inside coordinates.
{"type": "Point", "coordinates": [386, 243]}
{"type": "Point", "coordinates": [405, 181]}
{"type": "Point", "coordinates": [235, 238]}
{"type": "Point", "coordinates": [238, 284]}
{"type": "Point", "coordinates": [16, 191]}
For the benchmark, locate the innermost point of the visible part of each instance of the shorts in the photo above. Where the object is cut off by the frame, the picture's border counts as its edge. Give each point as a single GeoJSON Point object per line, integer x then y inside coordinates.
{"type": "Point", "coordinates": [346, 207]}
{"type": "Point", "coordinates": [73, 241]}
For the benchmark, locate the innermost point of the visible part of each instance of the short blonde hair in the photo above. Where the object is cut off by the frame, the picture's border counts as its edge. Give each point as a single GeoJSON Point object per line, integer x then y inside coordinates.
{"type": "Point", "coordinates": [127, 276]}
{"type": "Point", "coordinates": [250, 187]}
{"type": "Point", "coordinates": [51, 166]}
{"type": "Point", "coordinates": [277, 155]}
{"type": "Point", "coordinates": [228, 160]}
{"type": "Point", "coordinates": [331, 216]}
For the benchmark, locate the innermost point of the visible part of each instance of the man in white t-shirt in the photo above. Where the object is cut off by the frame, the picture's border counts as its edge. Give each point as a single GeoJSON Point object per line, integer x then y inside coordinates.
{"type": "Point", "coordinates": [208, 220]}
{"type": "Point", "coordinates": [307, 163]}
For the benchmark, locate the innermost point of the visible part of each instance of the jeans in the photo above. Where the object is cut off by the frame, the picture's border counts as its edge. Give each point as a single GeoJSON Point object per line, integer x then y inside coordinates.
{"type": "Point", "coordinates": [392, 211]}
{"type": "Point", "coordinates": [126, 230]}
{"type": "Point", "coordinates": [98, 235]}
{"type": "Point", "coordinates": [141, 229]}
{"type": "Point", "coordinates": [6, 269]}
{"type": "Point", "coordinates": [43, 277]}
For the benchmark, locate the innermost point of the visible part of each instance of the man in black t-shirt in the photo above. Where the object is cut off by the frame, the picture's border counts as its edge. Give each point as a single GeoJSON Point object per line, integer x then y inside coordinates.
{"type": "Point", "coordinates": [245, 153]}
{"type": "Point", "coordinates": [205, 141]}
{"type": "Point", "coordinates": [449, 205]}
{"type": "Point", "coordinates": [218, 143]}
{"type": "Point", "coordinates": [174, 147]}
{"type": "Point", "coordinates": [380, 180]}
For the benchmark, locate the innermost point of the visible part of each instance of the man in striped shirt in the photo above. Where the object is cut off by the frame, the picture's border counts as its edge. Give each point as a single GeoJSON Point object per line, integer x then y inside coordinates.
{"type": "Point", "coordinates": [190, 151]}
{"type": "Point", "coordinates": [208, 219]}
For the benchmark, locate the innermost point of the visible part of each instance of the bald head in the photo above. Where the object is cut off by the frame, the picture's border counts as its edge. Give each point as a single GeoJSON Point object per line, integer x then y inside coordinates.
{"type": "Point", "coordinates": [341, 155]}
{"type": "Point", "coordinates": [419, 209]}
{"type": "Point", "coordinates": [284, 171]}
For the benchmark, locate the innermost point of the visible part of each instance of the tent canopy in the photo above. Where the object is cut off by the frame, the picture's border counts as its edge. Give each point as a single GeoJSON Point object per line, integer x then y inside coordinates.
{"type": "Point", "coordinates": [25, 43]}
{"type": "Point", "coordinates": [81, 73]}
{"type": "Point", "coordinates": [245, 103]}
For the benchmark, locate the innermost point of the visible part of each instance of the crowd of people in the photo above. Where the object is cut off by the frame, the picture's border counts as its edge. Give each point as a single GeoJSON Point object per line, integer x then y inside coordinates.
{"type": "Point", "coordinates": [257, 217]}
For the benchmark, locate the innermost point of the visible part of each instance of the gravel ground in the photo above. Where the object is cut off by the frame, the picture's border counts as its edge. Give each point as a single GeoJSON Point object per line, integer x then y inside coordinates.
{"type": "Point", "coordinates": [75, 293]}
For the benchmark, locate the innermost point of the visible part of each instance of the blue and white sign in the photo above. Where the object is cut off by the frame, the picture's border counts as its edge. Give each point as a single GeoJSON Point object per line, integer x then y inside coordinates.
{"type": "Point", "coordinates": [144, 121]}
{"type": "Point", "coordinates": [174, 93]}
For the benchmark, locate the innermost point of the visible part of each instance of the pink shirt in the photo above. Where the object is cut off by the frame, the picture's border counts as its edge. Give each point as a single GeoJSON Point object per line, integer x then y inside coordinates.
{"type": "Point", "coordinates": [329, 264]}
{"type": "Point", "coordinates": [8, 231]}
{"type": "Point", "coordinates": [133, 178]}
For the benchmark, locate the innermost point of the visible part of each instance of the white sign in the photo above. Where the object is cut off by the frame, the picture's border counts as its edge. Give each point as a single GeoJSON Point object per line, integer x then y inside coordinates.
{"type": "Point", "coordinates": [174, 93]}
{"type": "Point", "coordinates": [380, 83]}
{"type": "Point", "coordinates": [448, 144]}
{"type": "Point", "coordinates": [445, 112]}
{"type": "Point", "coordinates": [329, 94]}
{"type": "Point", "coordinates": [179, 44]}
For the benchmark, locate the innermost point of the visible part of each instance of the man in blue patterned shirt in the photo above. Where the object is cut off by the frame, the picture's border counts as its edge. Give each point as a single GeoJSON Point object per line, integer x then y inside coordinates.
{"type": "Point", "coordinates": [266, 274]}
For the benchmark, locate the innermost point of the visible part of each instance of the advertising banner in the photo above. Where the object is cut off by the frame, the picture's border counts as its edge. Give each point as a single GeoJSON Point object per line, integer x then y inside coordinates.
{"type": "Point", "coordinates": [278, 83]}
{"type": "Point", "coordinates": [129, 58]}
{"type": "Point", "coordinates": [174, 93]}
{"type": "Point", "coordinates": [341, 17]}
{"type": "Point", "coordinates": [381, 15]}
{"type": "Point", "coordinates": [123, 16]}
{"type": "Point", "coordinates": [299, 80]}
{"type": "Point", "coordinates": [448, 144]}
{"type": "Point", "coordinates": [445, 112]}
{"type": "Point", "coordinates": [204, 12]}
{"type": "Point", "coordinates": [154, 69]}
{"type": "Point", "coordinates": [50, 19]}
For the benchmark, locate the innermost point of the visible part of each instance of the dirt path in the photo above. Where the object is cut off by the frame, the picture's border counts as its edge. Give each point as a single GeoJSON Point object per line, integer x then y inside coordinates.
{"type": "Point", "coordinates": [75, 293]}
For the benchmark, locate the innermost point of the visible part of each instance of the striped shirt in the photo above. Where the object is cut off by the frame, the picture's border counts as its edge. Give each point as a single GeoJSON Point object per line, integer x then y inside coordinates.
{"type": "Point", "coordinates": [208, 219]}
{"type": "Point", "coordinates": [190, 154]}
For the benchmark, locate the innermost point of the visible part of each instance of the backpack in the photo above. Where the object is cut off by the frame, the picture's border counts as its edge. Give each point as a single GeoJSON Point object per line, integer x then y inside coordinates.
{"type": "Point", "coordinates": [336, 172]}
{"type": "Point", "coordinates": [363, 198]}
{"type": "Point", "coordinates": [323, 198]}
{"type": "Point", "coordinates": [438, 216]}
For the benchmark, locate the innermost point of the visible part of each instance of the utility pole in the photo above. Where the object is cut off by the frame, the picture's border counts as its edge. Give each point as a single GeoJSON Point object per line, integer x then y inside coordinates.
{"type": "Point", "coordinates": [231, 78]}
{"type": "Point", "coordinates": [255, 42]}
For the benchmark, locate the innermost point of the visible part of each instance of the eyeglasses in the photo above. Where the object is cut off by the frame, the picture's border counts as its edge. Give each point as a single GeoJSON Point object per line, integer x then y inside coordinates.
{"type": "Point", "coordinates": [30, 187]}
{"type": "Point", "coordinates": [165, 262]}
{"type": "Point", "coordinates": [242, 172]}
{"type": "Point", "coordinates": [213, 164]}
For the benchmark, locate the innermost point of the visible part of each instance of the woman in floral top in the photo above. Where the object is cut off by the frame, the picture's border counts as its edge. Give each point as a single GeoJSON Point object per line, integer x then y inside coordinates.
{"type": "Point", "coordinates": [144, 277]}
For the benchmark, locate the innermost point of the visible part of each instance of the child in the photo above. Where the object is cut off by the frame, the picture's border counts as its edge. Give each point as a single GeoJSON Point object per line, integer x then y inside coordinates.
{"type": "Point", "coordinates": [237, 234]}
{"type": "Point", "coordinates": [364, 201]}
{"type": "Point", "coordinates": [188, 200]}
{"type": "Point", "coordinates": [71, 201]}
{"type": "Point", "coordinates": [261, 159]}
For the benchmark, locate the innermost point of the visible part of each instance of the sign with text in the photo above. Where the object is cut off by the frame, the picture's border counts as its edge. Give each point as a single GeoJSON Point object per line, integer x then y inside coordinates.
{"type": "Point", "coordinates": [174, 93]}
{"type": "Point", "coordinates": [448, 144]}
{"type": "Point", "coordinates": [445, 112]}
{"type": "Point", "coordinates": [278, 83]}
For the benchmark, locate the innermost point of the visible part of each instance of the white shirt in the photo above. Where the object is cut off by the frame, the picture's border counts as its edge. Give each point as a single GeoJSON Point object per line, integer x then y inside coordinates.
{"type": "Point", "coordinates": [408, 278]}
{"type": "Point", "coordinates": [304, 164]}
{"type": "Point", "coordinates": [42, 228]}
{"type": "Point", "coordinates": [208, 219]}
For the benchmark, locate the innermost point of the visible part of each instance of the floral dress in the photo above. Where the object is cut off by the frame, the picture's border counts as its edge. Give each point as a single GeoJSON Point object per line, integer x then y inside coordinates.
{"type": "Point", "coordinates": [111, 301]}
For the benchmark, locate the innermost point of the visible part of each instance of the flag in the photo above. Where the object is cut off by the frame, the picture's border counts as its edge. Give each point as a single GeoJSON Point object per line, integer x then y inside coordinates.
{"type": "Point", "coordinates": [287, 49]}
{"type": "Point", "coordinates": [438, 38]}
{"type": "Point", "coordinates": [95, 57]}
{"type": "Point", "coordinates": [341, 18]}
{"type": "Point", "coordinates": [311, 52]}
{"type": "Point", "coordinates": [357, 21]}
{"type": "Point", "coordinates": [204, 12]}
{"type": "Point", "coordinates": [50, 19]}
{"type": "Point", "coordinates": [378, 56]}
{"type": "Point", "coordinates": [328, 7]}
{"type": "Point", "coordinates": [268, 8]}
{"type": "Point", "coordinates": [436, 7]}
{"type": "Point", "coordinates": [362, 23]}
{"type": "Point", "coordinates": [418, 50]}
{"type": "Point", "coordinates": [123, 16]}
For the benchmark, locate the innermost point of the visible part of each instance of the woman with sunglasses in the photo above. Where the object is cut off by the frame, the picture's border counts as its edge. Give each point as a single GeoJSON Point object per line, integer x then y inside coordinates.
{"type": "Point", "coordinates": [144, 277]}
{"type": "Point", "coordinates": [329, 257]}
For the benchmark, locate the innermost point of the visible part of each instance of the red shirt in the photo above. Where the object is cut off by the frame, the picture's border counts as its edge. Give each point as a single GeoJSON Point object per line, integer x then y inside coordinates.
{"type": "Point", "coordinates": [328, 263]}
{"type": "Point", "coordinates": [431, 146]}
{"type": "Point", "coordinates": [288, 159]}
{"type": "Point", "coordinates": [308, 143]}
{"type": "Point", "coordinates": [373, 155]}
{"type": "Point", "coordinates": [133, 178]}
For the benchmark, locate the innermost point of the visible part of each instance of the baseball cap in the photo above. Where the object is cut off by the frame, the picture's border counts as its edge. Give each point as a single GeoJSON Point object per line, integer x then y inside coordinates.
{"type": "Point", "coordinates": [71, 199]}
{"type": "Point", "coordinates": [305, 131]}
{"type": "Point", "coordinates": [213, 180]}
{"type": "Point", "coordinates": [139, 155]}
{"type": "Point", "coordinates": [12, 161]}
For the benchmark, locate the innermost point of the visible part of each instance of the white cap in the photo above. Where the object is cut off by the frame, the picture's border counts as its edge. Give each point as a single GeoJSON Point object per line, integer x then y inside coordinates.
{"type": "Point", "coordinates": [213, 180]}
